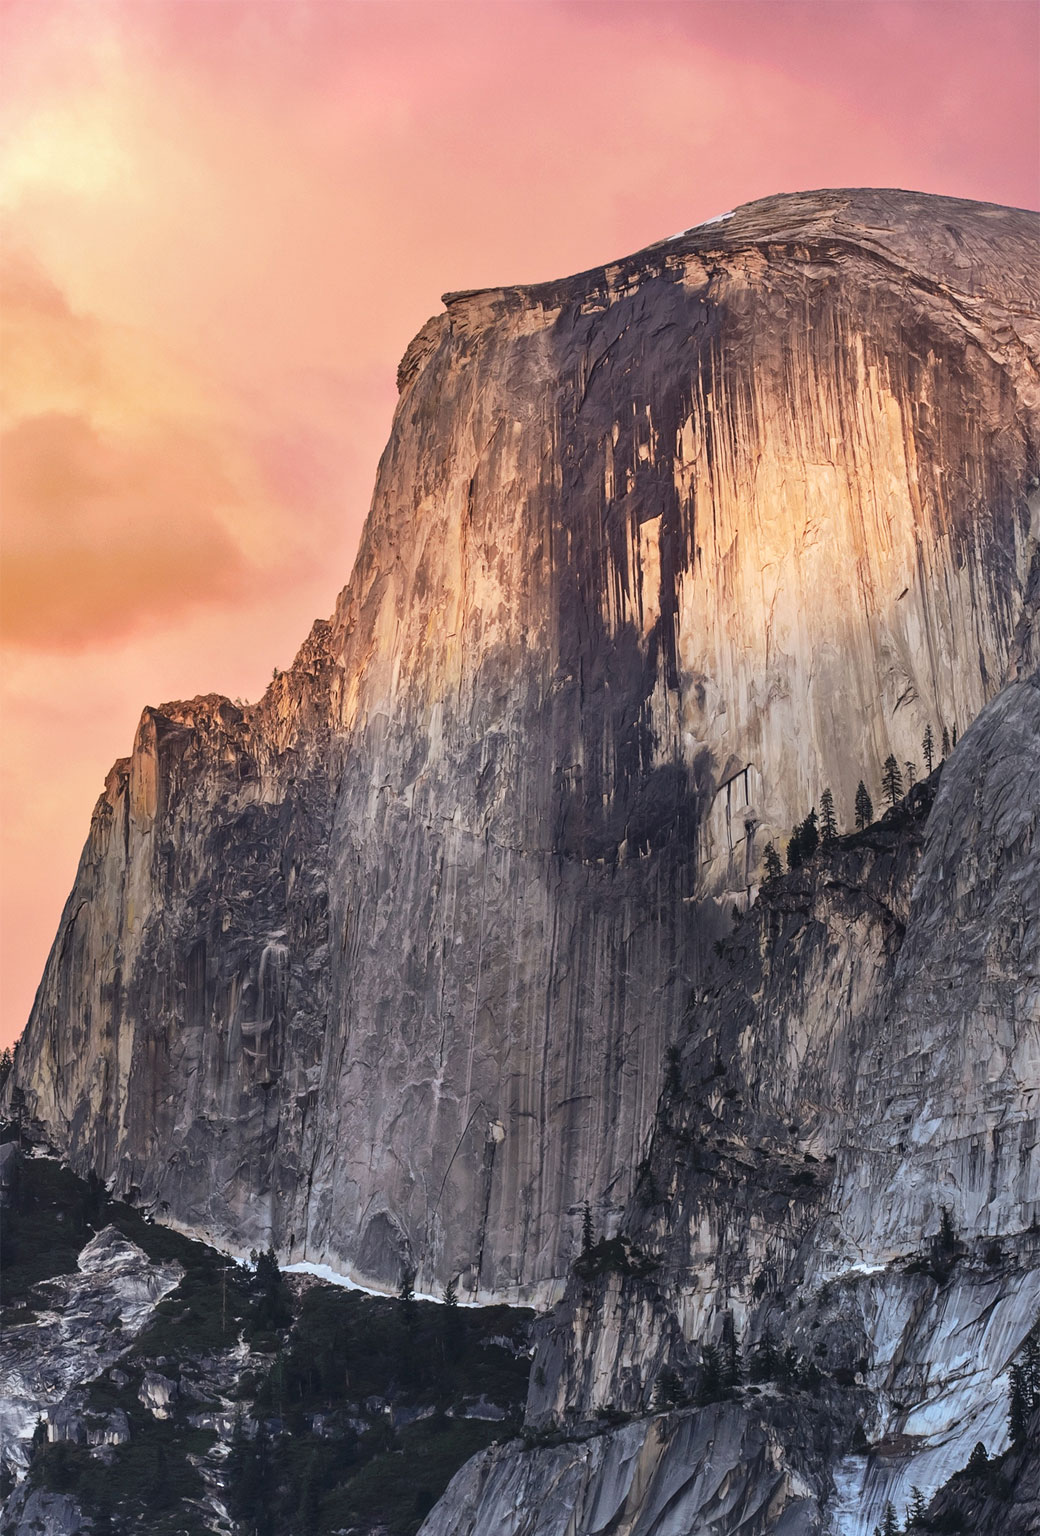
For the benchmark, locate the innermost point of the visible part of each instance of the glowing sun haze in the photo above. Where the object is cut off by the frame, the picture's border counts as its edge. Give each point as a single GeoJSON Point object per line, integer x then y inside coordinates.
{"type": "Point", "coordinates": [224, 221]}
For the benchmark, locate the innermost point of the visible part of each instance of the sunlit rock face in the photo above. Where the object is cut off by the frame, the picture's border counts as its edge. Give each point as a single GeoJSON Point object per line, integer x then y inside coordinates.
{"type": "Point", "coordinates": [383, 968]}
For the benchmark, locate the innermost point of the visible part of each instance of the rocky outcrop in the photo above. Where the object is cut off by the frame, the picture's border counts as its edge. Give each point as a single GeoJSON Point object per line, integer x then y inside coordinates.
{"type": "Point", "coordinates": [383, 968]}
{"type": "Point", "coordinates": [91, 1319]}
{"type": "Point", "coordinates": [843, 1180]}
{"type": "Point", "coordinates": [720, 1469]}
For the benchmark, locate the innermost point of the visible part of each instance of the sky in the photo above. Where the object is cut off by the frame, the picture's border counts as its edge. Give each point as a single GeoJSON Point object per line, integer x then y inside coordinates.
{"type": "Point", "coordinates": [224, 220]}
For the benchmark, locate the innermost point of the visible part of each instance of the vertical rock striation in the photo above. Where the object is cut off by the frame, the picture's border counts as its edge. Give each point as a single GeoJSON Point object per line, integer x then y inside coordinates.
{"type": "Point", "coordinates": [844, 1164]}
{"type": "Point", "coordinates": [383, 968]}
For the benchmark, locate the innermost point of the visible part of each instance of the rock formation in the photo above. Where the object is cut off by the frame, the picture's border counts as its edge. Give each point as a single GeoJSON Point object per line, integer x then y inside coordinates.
{"type": "Point", "coordinates": [383, 969]}
{"type": "Point", "coordinates": [845, 1163]}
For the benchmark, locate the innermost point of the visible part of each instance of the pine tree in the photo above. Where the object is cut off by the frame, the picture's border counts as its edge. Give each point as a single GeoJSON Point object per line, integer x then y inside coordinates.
{"type": "Point", "coordinates": [890, 1523]}
{"type": "Point", "coordinates": [948, 1243]}
{"type": "Point", "coordinates": [864, 807]}
{"type": "Point", "coordinates": [406, 1287]}
{"type": "Point", "coordinates": [805, 839]}
{"type": "Point", "coordinates": [945, 743]}
{"type": "Point", "coordinates": [1031, 1361]}
{"type": "Point", "coordinates": [732, 1365]}
{"type": "Point", "coordinates": [588, 1237]}
{"type": "Point", "coordinates": [672, 1071]}
{"type": "Point", "coordinates": [911, 773]}
{"type": "Point", "coordinates": [916, 1510]}
{"type": "Point", "coordinates": [828, 820]}
{"type": "Point", "coordinates": [765, 1363]}
{"type": "Point", "coordinates": [928, 747]}
{"type": "Point", "coordinates": [810, 834]}
{"type": "Point", "coordinates": [454, 1326]}
{"type": "Point", "coordinates": [274, 1304]}
{"type": "Point", "coordinates": [774, 869]}
{"type": "Point", "coordinates": [978, 1461]}
{"type": "Point", "coordinates": [892, 780]}
{"type": "Point", "coordinates": [710, 1389]}
{"type": "Point", "coordinates": [39, 1437]}
{"type": "Point", "coordinates": [669, 1391]}
{"type": "Point", "coordinates": [955, 733]}
{"type": "Point", "coordinates": [1018, 1404]}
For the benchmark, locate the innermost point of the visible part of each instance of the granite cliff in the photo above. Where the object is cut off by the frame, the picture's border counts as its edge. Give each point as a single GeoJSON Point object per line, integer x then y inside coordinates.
{"type": "Point", "coordinates": [383, 969]}
{"type": "Point", "coordinates": [842, 1188]}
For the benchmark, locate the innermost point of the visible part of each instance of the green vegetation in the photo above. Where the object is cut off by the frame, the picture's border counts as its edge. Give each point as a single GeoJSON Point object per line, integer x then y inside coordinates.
{"type": "Point", "coordinates": [588, 1238]}
{"type": "Point", "coordinates": [359, 1417]}
{"type": "Point", "coordinates": [828, 820]}
{"type": "Point", "coordinates": [943, 1252]}
{"type": "Point", "coordinates": [1024, 1387]}
{"type": "Point", "coordinates": [864, 807]}
{"type": "Point", "coordinates": [804, 842]}
{"type": "Point", "coordinates": [774, 869]}
{"type": "Point", "coordinates": [351, 1409]}
{"type": "Point", "coordinates": [149, 1484]}
{"type": "Point", "coordinates": [616, 1255]}
{"type": "Point", "coordinates": [52, 1215]}
{"type": "Point", "coordinates": [892, 781]}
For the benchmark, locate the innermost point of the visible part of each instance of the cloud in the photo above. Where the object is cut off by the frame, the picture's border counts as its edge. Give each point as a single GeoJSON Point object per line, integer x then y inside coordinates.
{"type": "Point", "coordinates": [107, 532]}
{"type": "Point", "coordinates": [132, 493]}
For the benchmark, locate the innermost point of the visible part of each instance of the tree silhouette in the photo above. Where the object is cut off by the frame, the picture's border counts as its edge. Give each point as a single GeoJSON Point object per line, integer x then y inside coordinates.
{"type": "Point", "coordinates": [587, 1236]}
{"type": "Point", "coordinates": [805, 839]}
{"type": "Point", "coordinates": [916, 1510]}
{"type": "Point", "coordinates": [710, 1388]}
{"type": "Point", "coordinates": [1018, 1404]}
{"type": "Point", "coordinates": [732, 1365]}
{"type": "Point", "coordinates": [864, 807]}
{"type": "Point", "coordinates": [810, 835]}
{"type": "Point", "coordinates": [892, 780]}
{"type": "Point", "coordinates": [273, 1308]}
{"type": "Point", "coordinates": [911, 773]}
{"type": "Point", "coordinates": [669, 1391]}
{"type": "Point", "coordinates": [928, 747]}
{"type": "Point", "coordinates": [1024, 1386]}
{"type": "Point", "coordinates": [774, 869]}
{"type": "Point", "coordinates": [978, 1461]}
{"type": "Point", "coordinates": [828, 820]}
{"type": "Point", "coordinates": [945, 743]}
{"type": "Point", "coordinates": [890, 1524]}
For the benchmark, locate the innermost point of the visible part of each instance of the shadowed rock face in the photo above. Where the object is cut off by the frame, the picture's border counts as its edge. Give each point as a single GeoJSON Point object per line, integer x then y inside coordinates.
{"type": "Point", "coordinates": [383, 968]}
{"type": "Point", "coordinates": [863, 1058]}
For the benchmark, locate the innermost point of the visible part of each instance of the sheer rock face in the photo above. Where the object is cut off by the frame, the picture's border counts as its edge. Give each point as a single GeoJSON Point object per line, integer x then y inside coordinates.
{"type": "Point", "coordinates": [865, 1058]}
{"type": "Point", "coordinates": [383, 968]}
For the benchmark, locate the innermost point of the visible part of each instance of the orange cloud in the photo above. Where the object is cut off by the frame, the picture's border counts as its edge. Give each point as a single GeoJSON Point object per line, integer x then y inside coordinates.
{"type": "Point", "coordinates": [131, 491]}
{"type": "Point", "coordinates": [106, 533]}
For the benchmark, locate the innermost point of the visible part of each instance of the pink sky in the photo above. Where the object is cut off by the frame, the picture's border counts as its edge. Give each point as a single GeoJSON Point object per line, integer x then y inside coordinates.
{"type": "Point", "coordinates": [224, 221]}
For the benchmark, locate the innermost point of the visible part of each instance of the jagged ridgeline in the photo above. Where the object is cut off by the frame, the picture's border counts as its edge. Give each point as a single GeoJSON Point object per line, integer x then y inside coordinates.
{"type": "Point", "coordinates": [384, 969]}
